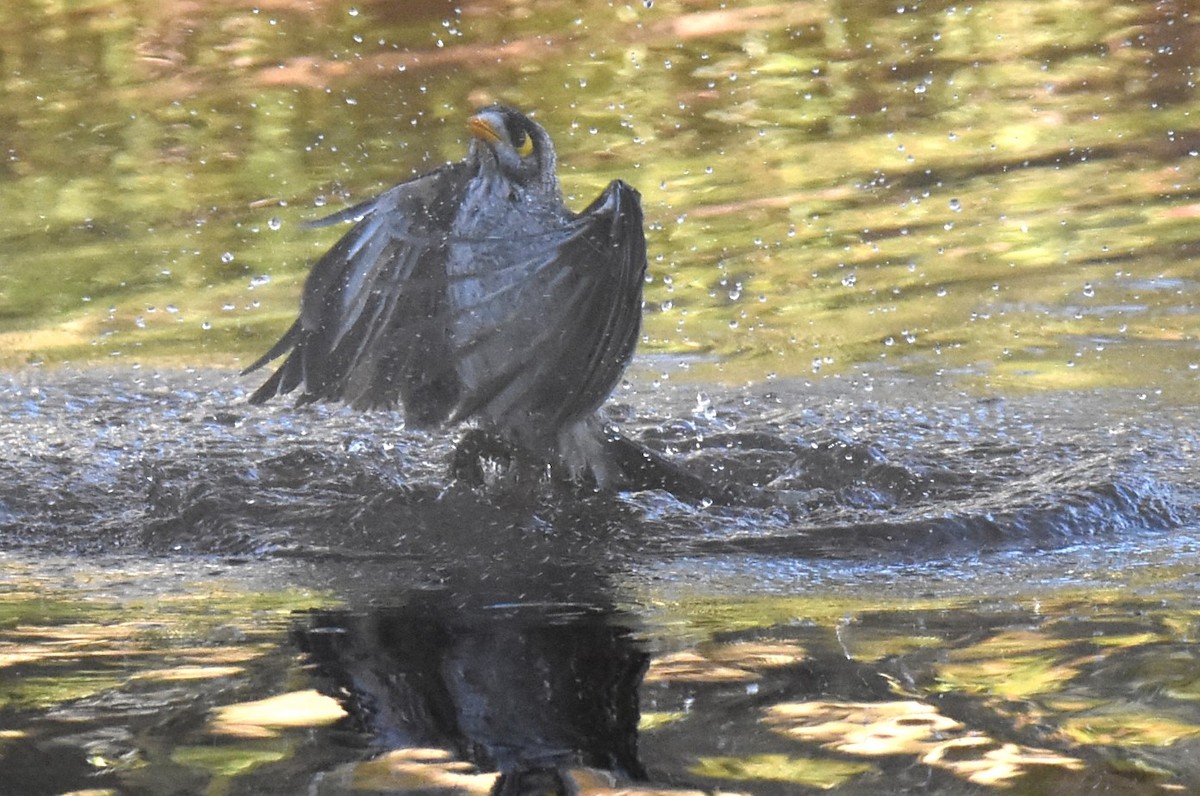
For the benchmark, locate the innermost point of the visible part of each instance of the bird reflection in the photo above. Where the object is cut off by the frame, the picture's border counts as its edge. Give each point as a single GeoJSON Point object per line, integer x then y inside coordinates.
{"type": "Point", "coordinates": [535, 694]}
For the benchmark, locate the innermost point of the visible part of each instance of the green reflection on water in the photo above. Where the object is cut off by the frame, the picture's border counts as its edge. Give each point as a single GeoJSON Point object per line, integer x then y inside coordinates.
{"type": "Point", "coordinates": [809, 773]}
{"type": "Point", "coordinates": [87, 631]}
{"type": "Point", "coordinates": [1001, 191]}
{"type": "Point", "coordinates": [229, 761]}
{"type": "Point", "coordinates": [1066, 674]}
{"type": "Point", "coordinates": [1061, 675]}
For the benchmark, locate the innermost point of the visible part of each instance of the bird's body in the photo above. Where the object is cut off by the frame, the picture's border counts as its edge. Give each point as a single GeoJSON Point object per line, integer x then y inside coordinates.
{"type": "Point", "coordinates": [473, 293]}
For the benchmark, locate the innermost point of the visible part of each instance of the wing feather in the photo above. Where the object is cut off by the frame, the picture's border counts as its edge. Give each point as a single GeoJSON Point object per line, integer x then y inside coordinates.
{"type": "Point", "coordinates": [551, 339]}
{"type": "Point", "coordinates": [523, 329]}
{"type": "Point", "coordinates": [372, 319]}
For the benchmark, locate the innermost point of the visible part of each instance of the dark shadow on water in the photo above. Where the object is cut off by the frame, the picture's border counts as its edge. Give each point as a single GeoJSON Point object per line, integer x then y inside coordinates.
{"type": "Point", "coordinates": [527, 691]}
{"type": "Point", "coordinates": [512, 662]}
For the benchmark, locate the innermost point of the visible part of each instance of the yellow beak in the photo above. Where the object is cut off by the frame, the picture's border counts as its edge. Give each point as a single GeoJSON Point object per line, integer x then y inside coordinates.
{"type": "Point", "coordinates": [483, 129]}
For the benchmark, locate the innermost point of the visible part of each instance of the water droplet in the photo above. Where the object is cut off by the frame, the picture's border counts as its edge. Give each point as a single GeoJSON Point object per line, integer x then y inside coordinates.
{"type": "Point", "coordinates": [274, 223]}
{"type": "Point", "coordinates": [227, 257]}
{"type": "Point", "coordinates": [956, 205]}
{"type": "Point", "coordinates": [1088, 290]}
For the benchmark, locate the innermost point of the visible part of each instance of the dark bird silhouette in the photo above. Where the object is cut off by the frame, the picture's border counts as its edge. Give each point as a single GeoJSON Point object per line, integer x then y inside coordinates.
{"type": "Point", "coordinates": [473, 293]}
{"type": "Point", "coordinates": [523, 691]}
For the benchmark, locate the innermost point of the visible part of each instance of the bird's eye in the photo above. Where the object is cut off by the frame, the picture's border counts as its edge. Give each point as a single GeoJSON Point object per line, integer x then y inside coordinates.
{"type": "Point", "coordinates": [523, 143]}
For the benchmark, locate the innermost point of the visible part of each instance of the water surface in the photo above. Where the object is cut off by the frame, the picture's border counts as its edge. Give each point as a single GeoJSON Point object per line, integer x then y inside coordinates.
{"type": "Point", "coordinates": [924, 273]}
{"type": "Point", "coordinates": [970, 594]}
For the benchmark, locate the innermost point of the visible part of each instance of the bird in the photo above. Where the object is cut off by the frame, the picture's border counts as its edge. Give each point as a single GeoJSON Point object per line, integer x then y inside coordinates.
{"type": "Point", "coordinates": [472, 294]}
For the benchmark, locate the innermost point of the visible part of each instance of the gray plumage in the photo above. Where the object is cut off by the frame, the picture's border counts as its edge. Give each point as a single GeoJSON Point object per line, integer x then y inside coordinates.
{"type": "Point", "coordinates": [473, 293]}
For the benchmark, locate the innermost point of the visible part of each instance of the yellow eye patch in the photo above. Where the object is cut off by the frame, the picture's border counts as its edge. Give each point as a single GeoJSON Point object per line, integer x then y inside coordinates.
{"type": "Point", "coordinates": [523, 144]}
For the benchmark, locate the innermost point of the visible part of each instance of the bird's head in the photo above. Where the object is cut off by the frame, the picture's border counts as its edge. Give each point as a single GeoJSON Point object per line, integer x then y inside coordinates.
{"type": "Point", "coordinates": [514, 145]}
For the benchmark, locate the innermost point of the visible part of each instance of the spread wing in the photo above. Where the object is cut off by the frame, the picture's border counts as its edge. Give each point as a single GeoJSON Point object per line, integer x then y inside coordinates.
{"type": "Point", "coordinates": [373, 317]}
{"type": "Point", "coordinates": [542, 329]}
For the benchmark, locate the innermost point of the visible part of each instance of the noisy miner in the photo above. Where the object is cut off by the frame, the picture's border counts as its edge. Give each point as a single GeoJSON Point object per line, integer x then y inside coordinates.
{"type": "Point", "coordinates": [472, 293]}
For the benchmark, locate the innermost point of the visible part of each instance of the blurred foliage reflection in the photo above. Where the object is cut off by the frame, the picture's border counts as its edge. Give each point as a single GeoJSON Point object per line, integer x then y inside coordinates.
{"type": "Point", "coordinates": [136, 686]}
{"type": "Point", "coordinates": [1002, 190]}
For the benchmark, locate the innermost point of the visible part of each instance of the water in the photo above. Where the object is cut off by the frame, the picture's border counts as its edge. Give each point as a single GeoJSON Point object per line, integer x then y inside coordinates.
{"type": "Point", "coordinates": [971, 583]}
{"type": "Point", "coordinates": [924, 273]}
